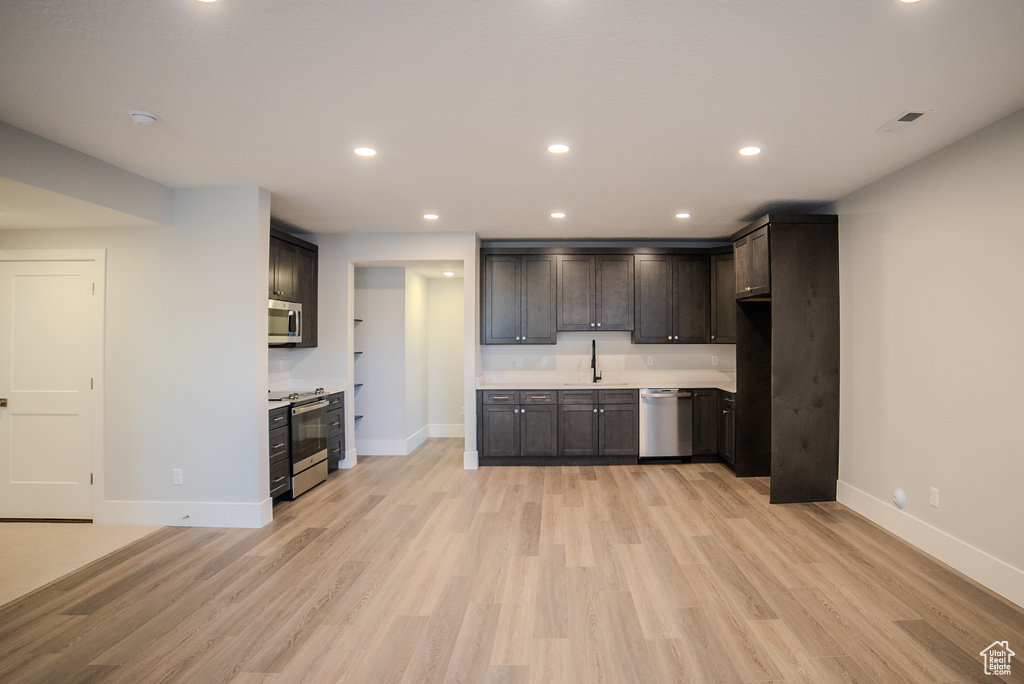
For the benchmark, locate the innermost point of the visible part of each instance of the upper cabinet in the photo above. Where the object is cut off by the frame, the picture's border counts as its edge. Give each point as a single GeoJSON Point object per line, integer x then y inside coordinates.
{"type": "Point", "coordinates": [595, 292]}
{"type": "Point", "coordinates": [293, 278]}
{"type": "Point", "coordinates": [753, 270]}
{"type": "Point", "coordinates": [723, 299]}
{"type": "Point", "coordinates": [519, 299]}
{"type": "Point", "coordinates": [672, 294]}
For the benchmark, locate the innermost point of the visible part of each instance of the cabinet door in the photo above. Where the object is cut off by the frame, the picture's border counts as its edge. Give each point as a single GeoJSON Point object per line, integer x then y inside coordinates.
{"type": "Point", "coordinates": [577, 430]}
{"type": "Point", "coordinates": [653, 299]}
{"type": "Point", "coordinates": [723, 299]}
{"type": "Point", "coordinates": [613, 293]}
{"type": "Point", "coordinates": [306, 294]}
{"type": "Point", "coordinates": [726, 428]}
{"type": "Point", "coordinates": [538, 300]}
{"type": "Point", "coordinates": [619, 429]}
{"type": "Point", "coordinates": [538, 430]}
{"type": "Point", "coordinates": [753, 270]}
{"type": "Point", "coordinates": [286, 272]}
{"type": "Point", "coordinates": [501, 299]}
{"type": "Point", "coordinates": [576, 292]}
{"type": "Point", "coordinates": [500, 430]}
{"type": "Point", "coordinates": [692, 300]}
{"type": "Point", "coordinates": [705, 422]}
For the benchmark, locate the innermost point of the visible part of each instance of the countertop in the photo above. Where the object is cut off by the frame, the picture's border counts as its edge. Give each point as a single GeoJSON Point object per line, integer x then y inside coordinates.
{"type": "Point", "coordinates": [271, 405]}
{"type": "Point", "coordinates": [722, 381]}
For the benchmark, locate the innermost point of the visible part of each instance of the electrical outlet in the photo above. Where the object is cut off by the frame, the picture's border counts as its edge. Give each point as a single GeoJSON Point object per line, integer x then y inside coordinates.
{"type": "Point", "coordinates": [543, 362]}
{"type": "Point", "coordinates": [650, 360]}
{"type": "Point", "coordinates": [179, 476]}
{"type": "Point", "coordinates": [463, 412]}
{"type": "Point", "coordinates": [714, 359]}
{"type": "Point", "coordinates": [519, 362]}
{"type": "Point", "coordinates": [933, 497]}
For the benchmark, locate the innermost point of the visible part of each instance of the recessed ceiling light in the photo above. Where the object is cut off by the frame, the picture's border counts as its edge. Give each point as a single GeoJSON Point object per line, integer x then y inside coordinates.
{"type": "Point", "coordinates": [909, 1]}
{"type": "Point", "coordinates": [558, 214]}
{"type": "Point", "coordinates": [558, 148]}
{"type": "Point", "coordinates": [448, 274]}
{"type": "Point", "coordinates": [365, 151]}
{"type": "Point", "coordinates": [142, 118]}
{"type": "Point", "coordinates": [430, 217]}
{"type": "Point", "coordinates": [207, 0]}
{"type": "Point", "coordinates": [682, 214]}
{"type": "Point", "coordinates": [750, 151]}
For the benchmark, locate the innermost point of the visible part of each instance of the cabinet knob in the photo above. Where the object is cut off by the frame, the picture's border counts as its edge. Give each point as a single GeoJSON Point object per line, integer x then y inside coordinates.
{"type": "Point", "coordinates": [670, 337]}
{"type": "Point", "coordinates": [676, 337]}
{"type": "Point", "coordinates": [595, 410]}
{"type": "Point", "coordinates": [515, 411]}
{"type": "Point", "coordinates": [591, 325]}
{"type": "Point", "coordinates": [712, 337]}
{"type": "Point", "coordinates": [598, 325]}
{"type": "Point", "coordinates": [748, 288]}
{"type": "Point", "coordinates": [602, 410]}
{"type": "Point", "coordinates": [517, 338]}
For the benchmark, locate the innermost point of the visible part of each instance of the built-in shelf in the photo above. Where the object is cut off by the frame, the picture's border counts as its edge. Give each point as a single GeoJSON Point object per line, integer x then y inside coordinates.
{"type": "Point", "coordinates": [358, 417]}
{"type": "Point", "coordinates": [359, 320]}
{"type": "Point", "coordinates": [358, 385]}
{"type": "Point", "coordinates": [358, 353]}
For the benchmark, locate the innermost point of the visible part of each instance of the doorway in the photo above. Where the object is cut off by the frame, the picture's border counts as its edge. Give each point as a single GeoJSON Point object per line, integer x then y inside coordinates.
{"type": "Point", "coordinates": [51, 364]}
{"type": "Point", "coordinates": [409, 361]}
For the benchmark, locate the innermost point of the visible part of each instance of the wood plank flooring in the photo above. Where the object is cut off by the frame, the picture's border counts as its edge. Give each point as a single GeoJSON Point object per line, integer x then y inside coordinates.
{"type": "Point", "coordinates": [410, 569]}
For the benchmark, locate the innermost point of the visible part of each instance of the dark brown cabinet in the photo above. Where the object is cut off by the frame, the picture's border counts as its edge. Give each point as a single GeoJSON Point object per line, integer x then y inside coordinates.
{"type": "Point", "coordinates": [705, 422]}
{"type": "Point", "coordinates": [727, 427]}
{"type": "Point", "coordinates": [280, 451]}
{"type": "Point", "coordinates": [518, 299]}
{"type": "Point", "coordinates": [723, 299]}
{"type": "Point", "coordinates": [672, 299]}
{"type": "Point", "coordinates": [599, 423]}
{"type": "Point", "coordinates": [518, 423]}
{"type": "Point", "coordinates": [335, 429]}
{"type": "Point", "coordinates": [293, 278]}
{"type": "Point", "coordinates": [753, 264]}
{"type": "Point", "coordinates": [787, 356]}
{"type": "Point", "coordinates": [578, 430]}
{"type": "Point", "coordinates": [595, 292]}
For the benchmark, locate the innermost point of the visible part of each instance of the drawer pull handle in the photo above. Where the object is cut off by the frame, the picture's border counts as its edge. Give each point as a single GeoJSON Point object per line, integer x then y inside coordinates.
{"type": "Point", "coordinates": [497, 397]}
{"type": "Point", "coordinates": [538, 397]}
{"type": "Point", "coordinates": [278, 446]}
{"type": "Point", "coordinates": [280, 479]}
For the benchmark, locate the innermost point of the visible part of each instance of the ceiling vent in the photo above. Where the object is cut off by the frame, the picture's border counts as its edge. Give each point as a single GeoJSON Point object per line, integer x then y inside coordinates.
{"type": "Point", "coordinates": [902, 121]}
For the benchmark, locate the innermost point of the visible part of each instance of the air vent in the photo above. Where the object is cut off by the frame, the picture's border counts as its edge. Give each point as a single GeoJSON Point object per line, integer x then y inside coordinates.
{"type": "Point", "coordinates": [902, 121]}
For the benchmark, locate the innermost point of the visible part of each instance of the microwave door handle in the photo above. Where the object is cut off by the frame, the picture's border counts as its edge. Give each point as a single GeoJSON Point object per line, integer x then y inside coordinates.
{"type": "Point", "coordinates": [305, 408]}
{"type": "Point", "coordinates": [294, 323]}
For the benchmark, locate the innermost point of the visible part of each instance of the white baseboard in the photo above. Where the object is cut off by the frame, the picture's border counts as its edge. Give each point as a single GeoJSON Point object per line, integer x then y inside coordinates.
{"type": "Point", "coordinates": [446, 430]}
{"type": "Point", "coordinates": [987, 570]}
{"type": "Point", "coordinates": [350, 459]}
{"type": "Point", "coordinates": [470, 460]}
{"type": "Point", "coordinates": [186, 513]}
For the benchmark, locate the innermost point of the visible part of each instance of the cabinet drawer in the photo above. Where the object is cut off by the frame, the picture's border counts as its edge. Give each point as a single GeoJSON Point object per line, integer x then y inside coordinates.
{"type": "Point", "coordinates": [501, 397]}
{"type": "Point", "coordinates": [335, 423]}
{"type": "Point", "coordinates": [618, 396]}
{"type": "Point", "coordinates": [334, 400]}
{"type": "Point", "coordinates": [537, 397]}
{"type": "Point", "coordinates": [279, 478]}
{"type": "Point", "coordinates": [279, 447]}
{"type": "Point", "coordinates": [336, 449]}
{"type": "Point", "coordinates": [278, 418]}
{"type": "Point", "coordinates": [728, 398]}
{"type": "Point", "coordinates": [577, 396]}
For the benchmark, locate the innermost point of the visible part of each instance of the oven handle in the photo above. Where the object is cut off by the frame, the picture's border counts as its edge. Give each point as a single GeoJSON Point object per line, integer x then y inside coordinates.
{"type": "Point", "coordinates": [304, 408]}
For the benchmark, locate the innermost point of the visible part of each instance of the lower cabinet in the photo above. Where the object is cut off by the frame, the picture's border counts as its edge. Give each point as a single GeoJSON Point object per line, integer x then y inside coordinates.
{"type": "Point", "coordinates": [335, 429]}
{"type": "Point", "coordinates": [705, 422]}
{"type": "Point", "coordinates": [556, 425]}
{"type": "Point", "coordinates": [280, 452]}
{"type": "Point", "coordinates": [727, 427]}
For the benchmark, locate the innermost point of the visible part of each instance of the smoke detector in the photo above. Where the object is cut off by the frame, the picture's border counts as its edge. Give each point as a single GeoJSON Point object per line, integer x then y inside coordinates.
{"type": "Point", "coordinates": [142, 118]}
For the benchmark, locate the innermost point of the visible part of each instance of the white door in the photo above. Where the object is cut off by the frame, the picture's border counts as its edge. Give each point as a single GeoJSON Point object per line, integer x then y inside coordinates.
{"type": "Point", "coordinates": [51, 323]}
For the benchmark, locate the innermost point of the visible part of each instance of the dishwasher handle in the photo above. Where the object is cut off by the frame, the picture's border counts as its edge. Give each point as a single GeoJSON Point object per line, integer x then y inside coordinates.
{"type": "Point", "coordinates": [665, 394]}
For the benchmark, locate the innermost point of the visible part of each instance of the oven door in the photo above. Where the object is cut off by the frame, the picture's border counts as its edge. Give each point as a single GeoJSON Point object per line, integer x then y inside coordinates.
{"type": "Point", "coordinates": [309, 434]}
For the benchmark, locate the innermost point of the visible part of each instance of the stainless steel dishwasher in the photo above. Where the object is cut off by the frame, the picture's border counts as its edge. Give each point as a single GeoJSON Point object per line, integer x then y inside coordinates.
{"type": "Point", "coordinates": [666, 423]}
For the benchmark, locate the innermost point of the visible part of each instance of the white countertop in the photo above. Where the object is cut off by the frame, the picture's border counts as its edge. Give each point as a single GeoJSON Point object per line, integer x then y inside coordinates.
{"type": "Point", "coordinates": [271, 405]}
{"type": "Point", "coordinates": [682, 380]}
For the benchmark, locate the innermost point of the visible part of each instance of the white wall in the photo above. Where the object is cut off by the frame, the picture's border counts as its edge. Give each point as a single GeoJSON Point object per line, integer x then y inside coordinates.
{"type": "Point", "coordinates": [415, 358]}
{"type": "Point", "coordinates": [380, 302]}
{"type": "Point", "coordinates": [185, 359]}
{"type": "Point", "coordinates": [445, 356]}
{"type": "Point", "coordinates": [930, 261]}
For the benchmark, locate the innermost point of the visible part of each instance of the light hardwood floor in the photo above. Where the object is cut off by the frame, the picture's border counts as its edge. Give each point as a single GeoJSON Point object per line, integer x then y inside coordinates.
{"type": "Point", "coordinates": [410, 569]}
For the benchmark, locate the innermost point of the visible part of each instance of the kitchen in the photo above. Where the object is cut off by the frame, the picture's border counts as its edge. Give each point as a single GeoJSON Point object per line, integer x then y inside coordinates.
{"type": "Point", "coordinates": [903, 349]}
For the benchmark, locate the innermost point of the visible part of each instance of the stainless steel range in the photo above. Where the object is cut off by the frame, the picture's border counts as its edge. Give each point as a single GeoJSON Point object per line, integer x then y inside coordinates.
{"type": "Point", "coordinates": [308, 438]}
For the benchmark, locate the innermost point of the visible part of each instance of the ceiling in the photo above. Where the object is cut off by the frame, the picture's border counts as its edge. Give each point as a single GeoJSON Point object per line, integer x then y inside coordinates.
{"type": "Point", "coordinates": [461, 99]}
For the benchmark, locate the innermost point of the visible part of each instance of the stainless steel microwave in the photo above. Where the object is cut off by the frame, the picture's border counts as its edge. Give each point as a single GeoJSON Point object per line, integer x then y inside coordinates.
{"type": "Point", "coordinates": [284, 322]}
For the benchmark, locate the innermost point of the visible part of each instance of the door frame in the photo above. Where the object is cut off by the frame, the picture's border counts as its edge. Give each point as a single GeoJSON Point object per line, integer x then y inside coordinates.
{"type": "Point", "coordinates": [98, 258]}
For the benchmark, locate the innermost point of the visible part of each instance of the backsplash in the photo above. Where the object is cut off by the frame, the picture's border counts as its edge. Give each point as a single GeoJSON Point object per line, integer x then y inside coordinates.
{"type": "Point", "coordinates": [617, 358]}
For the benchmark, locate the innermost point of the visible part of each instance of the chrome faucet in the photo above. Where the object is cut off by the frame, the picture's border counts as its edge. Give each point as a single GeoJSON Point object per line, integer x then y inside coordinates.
{"type": "Point", "coordinates": [593, 360]}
